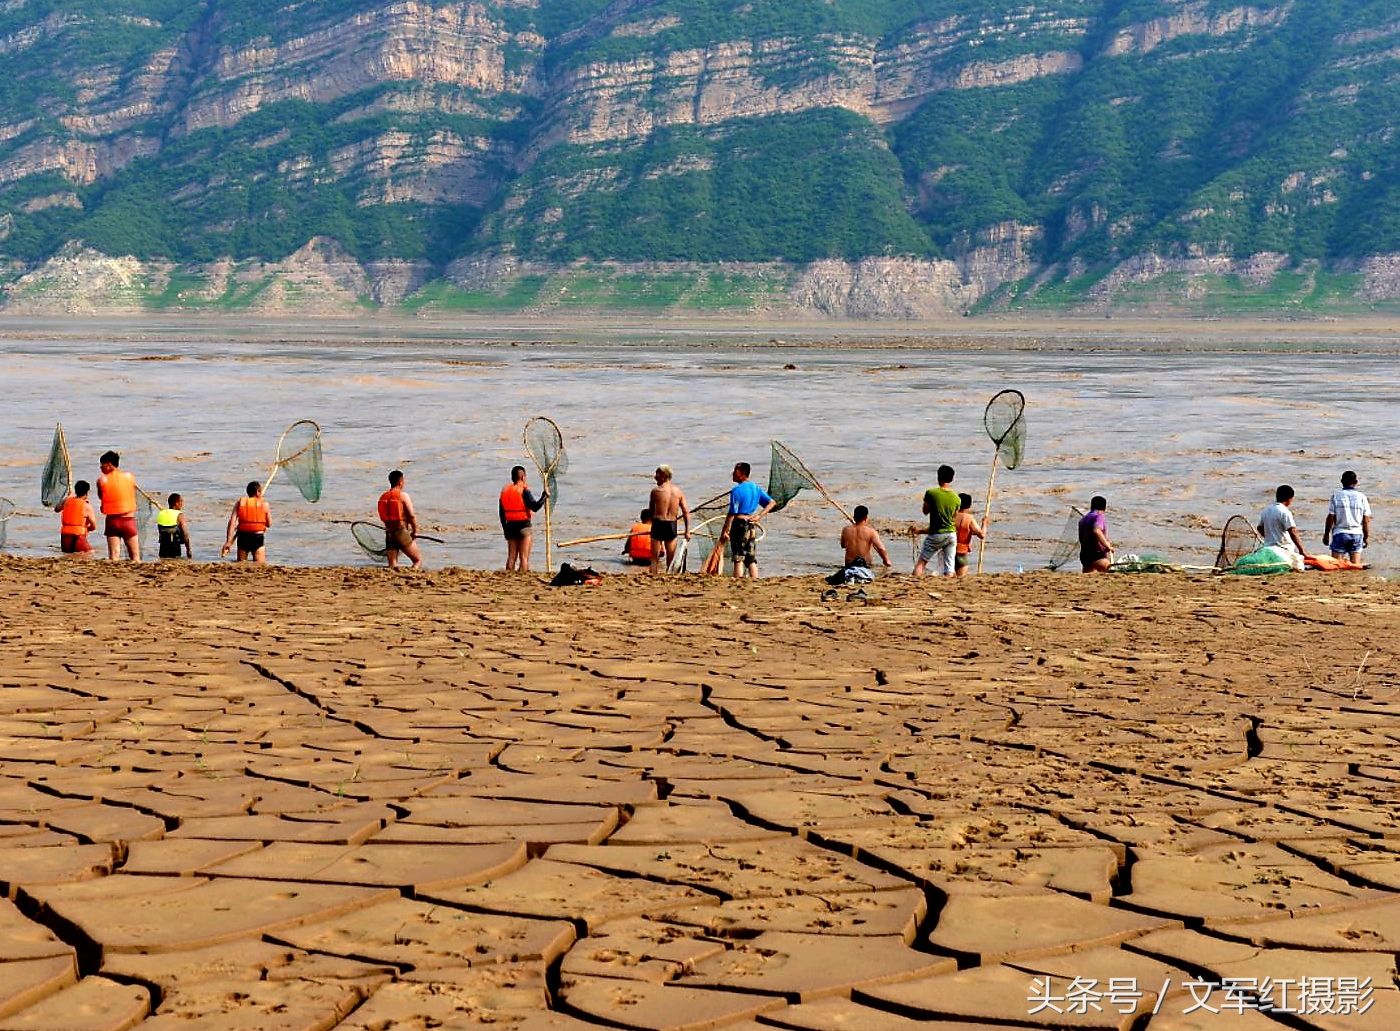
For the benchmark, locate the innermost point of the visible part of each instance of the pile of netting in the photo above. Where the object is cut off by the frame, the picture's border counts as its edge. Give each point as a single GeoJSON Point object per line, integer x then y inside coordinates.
{"type": "Point", "coordinates": [1266, 561]}
{"type": "Point", "coordinates": [1147, 562]}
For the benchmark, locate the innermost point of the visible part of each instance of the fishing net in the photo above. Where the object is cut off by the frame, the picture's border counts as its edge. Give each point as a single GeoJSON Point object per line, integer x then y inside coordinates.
{"type": "Point", "coordinates": [788, 474]}
{"type": "Point", "coordinates": [57, 481]}
{"type": "Point", "coordinates": [7, 509]}
{"type": "Point", "coordinates": [1238, 540]}
{"type": "Point", "coordinates": [299, 459]}
{"type": "Point", "coordinates": [545, 446]}
{"type": "Point", "coordinates": [706, 523]}
{"type": "Point", "coordinates": [1147, 562]}
{"type": "Point", "coordinates": [146, 510]}
{"type": "Point", "coordinates": [1067, 547]}
{"type": "Point", "coordinates": [370, 538]}
{"type": "Point", "coordinates": [1005, 420]}
{"type": "Point", "coordinates": [1264, 561]}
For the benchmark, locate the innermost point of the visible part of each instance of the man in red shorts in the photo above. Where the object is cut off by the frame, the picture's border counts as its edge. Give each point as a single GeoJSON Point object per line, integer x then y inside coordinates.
{"type": "Point", "coordinates": [117, 491]}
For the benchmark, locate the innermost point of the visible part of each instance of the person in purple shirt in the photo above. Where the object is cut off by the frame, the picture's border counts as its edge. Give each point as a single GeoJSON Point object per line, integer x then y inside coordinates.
{"type": "Point", "coordinates": [748, 503]}
{"type": "Point", "coordinates": [1095, 549]}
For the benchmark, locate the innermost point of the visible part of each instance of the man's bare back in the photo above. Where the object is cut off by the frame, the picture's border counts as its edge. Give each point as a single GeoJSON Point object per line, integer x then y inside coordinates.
{"type": "Point", "coordinates": [666, 502]}
{"type": "Point", "coordinates": [862, 541]}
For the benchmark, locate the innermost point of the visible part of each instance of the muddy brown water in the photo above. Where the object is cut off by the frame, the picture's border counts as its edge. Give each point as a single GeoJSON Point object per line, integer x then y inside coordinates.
{"type": "Point", "coordinates": [1177, 440]}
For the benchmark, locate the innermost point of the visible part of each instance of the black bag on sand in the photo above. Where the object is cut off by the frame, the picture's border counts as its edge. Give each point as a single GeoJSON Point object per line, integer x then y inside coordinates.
{"type": "Point", "coordinates": [568, 576]}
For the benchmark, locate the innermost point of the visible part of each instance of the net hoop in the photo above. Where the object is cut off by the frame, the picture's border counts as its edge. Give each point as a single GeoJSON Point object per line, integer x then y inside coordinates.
{"type": "Point", "coordinates": [545, 468]}
{"type": "Point", "coordinates": [315, 439]}
{"type": "Point", "coordinates": [1237, 539]}
{"type": "Point", "coordinates": [370, 537]}
{"type": "Point", "coordinates": [782, 451]}
{"type": "Point", "coordinates": [1068, 545]}
{"type": "Point", "coordinates": [1014, 397]}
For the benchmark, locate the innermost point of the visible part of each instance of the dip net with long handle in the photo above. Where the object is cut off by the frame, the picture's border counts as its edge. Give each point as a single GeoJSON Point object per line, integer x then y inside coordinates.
{"type": "Point", "coordinates": [703, 550]}
{"type": "Point", "coordinates": [370, 537]}
{"type": "Point", "coordinates": [1005, 421]}
{"type": "Point", "coordinates": [57, 482]}
{"type": "Point", "coordinates": [788, 474]}
{"type": "Point", "coordinates": [545, 446]}
{"type": "Point", "coordinates": [1067, 547]}
{"type": "Point", "coordinates": [299, 459]}
{"type": "Point", "coordinates": [7, 509]}
{"type": "Point", "coordinates": [147, 507]}
{"type": "Point", "coordinates": [1238, 539]}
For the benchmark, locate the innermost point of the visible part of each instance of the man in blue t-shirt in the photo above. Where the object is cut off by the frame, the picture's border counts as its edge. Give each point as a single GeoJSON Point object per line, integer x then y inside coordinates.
{"type": "Point", "coordinates": [748, 503]}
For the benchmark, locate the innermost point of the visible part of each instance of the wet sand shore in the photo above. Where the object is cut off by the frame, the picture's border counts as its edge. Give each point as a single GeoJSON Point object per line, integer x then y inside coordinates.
{"type": "Point", "coordinates": [315, 798]}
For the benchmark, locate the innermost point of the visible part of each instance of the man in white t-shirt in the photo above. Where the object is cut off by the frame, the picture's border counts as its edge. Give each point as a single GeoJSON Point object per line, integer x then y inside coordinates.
{"type": "Point", "coordinates": [1278, 528]}
{"type": "Point", "coordinates": [1348, 529]}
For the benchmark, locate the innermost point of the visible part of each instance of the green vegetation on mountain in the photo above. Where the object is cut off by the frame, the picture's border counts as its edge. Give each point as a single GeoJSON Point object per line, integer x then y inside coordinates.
{"type": "Point", "coordinates": [703, 131]}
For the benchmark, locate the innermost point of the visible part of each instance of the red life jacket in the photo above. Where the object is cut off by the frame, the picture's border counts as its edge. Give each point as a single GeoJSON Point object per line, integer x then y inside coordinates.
{"type": "Point", "coordinates": [513, 505]}
{"type": "Point", "coordinates": [391, 506]}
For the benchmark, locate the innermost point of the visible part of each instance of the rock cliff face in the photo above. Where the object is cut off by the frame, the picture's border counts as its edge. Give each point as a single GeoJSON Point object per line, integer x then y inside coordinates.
{"type": "Point", "coordinates": [907, 159]}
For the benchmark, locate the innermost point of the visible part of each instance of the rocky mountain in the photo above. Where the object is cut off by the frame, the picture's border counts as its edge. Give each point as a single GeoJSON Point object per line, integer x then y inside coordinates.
{"type": "Point", "coordinates": [857, 157]}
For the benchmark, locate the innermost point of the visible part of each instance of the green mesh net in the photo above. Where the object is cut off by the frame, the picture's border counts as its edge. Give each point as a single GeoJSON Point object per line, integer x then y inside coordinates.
{"type": "Point", "coordinates": [299, 459]}
{"type": "Point", "coordinates": [1147, 562]}
{"type": "Point", "coordinates": [545, 446]}
{"type": "Point", "coordinates": [370, 538]}
{"type": "Point", "coordinates": [788, 474]}
{"type": "Point", "coordinates": [706, 523]}
{"type": "Point", "coordinates": [1265, 561]}
{"type": "Point", "coordinates": [7, 509]}
{"type": "Point", "coordinates": [1067, 547]}
{"type": "Point", "coordinates": [1005, 420]}
{"type": "Point", "coordinates": [57, 481]}
{"type": "Point", "coordinates": [1238, 539]}
{"type": "Point", "coordinates": [146, 510]}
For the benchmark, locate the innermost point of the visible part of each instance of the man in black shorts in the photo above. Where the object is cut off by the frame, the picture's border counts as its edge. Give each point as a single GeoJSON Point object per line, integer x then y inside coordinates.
{"type": "Point", "coordinates": [667, 508]}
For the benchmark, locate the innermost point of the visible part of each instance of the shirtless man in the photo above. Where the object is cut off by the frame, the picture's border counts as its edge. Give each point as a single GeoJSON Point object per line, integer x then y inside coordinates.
{"type": "Point", "coordinates": [860, 540]}
{"type": "Point", "coordinates": [667, 506]}
{"type": "Point", "coordinates": [400, 523]}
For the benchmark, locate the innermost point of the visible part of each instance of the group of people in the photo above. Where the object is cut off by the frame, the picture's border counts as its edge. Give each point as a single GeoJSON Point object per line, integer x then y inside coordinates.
{"type": "Point", "coordinates": [667, 520]}
{"type": "Point", "coordinates": [119, 500]}
{"type": "Point", "coordinates": [1346, 532]}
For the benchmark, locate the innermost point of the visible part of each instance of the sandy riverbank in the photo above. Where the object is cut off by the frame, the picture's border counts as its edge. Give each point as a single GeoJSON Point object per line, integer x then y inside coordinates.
{"type": "Point", "coordinates": [312, 798]}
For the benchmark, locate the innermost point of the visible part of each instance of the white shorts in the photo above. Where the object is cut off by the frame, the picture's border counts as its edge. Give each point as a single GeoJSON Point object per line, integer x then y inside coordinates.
{"type": "Point", "coordinates": [941, 551]}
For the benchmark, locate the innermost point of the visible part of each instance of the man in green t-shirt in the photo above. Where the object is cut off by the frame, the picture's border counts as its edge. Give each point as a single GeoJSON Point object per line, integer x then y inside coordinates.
{"type": "Point", "coordinates": [941, 545]}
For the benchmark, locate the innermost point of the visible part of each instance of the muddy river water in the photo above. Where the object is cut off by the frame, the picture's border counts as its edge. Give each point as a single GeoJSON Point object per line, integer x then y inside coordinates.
{"type": "Point", "coordinates": [1177, 440]}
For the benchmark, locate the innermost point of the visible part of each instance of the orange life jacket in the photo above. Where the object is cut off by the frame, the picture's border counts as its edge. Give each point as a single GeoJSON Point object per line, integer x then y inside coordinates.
{"type": "Point", "coordinates": [513, 503]}
{"type": "Point", "coordinates": [639, 544]}
{"type": "Point", "coordinates": [74, 517]}
{"type": "Point", "coordinates": [118, 493]}
{"type": "Point", "coordinates": [252, 515]}
{"type": "Point", "coordinates": [391, 506]}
